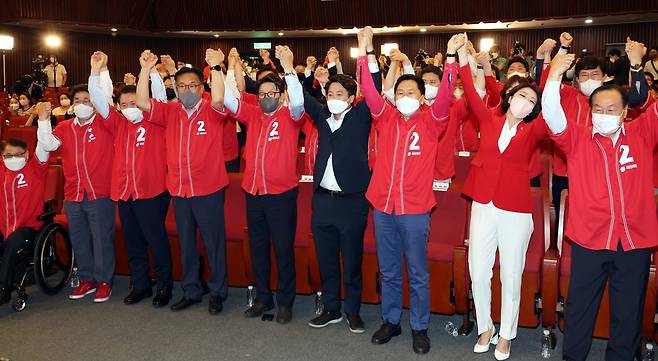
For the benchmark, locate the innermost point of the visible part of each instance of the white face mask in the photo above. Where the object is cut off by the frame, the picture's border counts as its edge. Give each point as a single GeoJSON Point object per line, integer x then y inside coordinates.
{"type": "Point", "coordinates": [15, 163]}
{"type": "Point", "coordinates": [520, 107]}
{"type": "Point", "coordinates": [589, 86]}
{"type": "Point", "coordinates": [458, 93]}
{"type": "Point", "coordinates": [431, 91]}
{"type": "Point", "coordinates": [13, 106]}
{"type": "Point", "coordinates": [606, 124]}
{"type": "Point", "coordinates": [83, 111]}
{"type": "Point", "coordinates": [522, 75]}
{"type": "Point", "coordinates": [65, 102]}
{"type": "Point", "coordinates": [24, 102]}
{"type": "Point", "coordinates": [407, 105]}
{"type": "Point", "coordinates": [134, 115]}
{"type": "Point", "coordinates": [337, 106]}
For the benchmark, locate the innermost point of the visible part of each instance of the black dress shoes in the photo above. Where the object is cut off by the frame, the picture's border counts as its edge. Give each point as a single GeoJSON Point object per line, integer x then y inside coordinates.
{"type": "Point", "coordinates": [183, 304]}
{"type": "Point", "coordinates": [284, 315]}
{"type": "Point", "coordinates": [215, 305]}
{"type": "Point", "coordinates": [135, 296]}
{"type": "Point", "coordinates": [421, 343]}
{"type": "Point", "coordinates": [162, 297]}
{"type": "Point", "coordinates": [257, 310]}
{"type": "Point", "coordinates": [386, 333]}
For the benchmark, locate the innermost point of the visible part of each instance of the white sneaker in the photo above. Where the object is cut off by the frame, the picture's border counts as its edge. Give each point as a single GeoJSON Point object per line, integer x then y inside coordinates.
{"type": "Point", "coordinates": [503, 356]}
{"type": "Point", "coordinates": [493, 339]}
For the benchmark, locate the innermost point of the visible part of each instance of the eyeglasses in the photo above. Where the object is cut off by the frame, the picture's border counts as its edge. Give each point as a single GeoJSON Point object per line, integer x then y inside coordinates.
{"type": "Point", "coordinates": [187, 86]}
{"type": "Point", "coordinates": [7, 156]}
{"type": "Point", "coordinates": [268, 94]}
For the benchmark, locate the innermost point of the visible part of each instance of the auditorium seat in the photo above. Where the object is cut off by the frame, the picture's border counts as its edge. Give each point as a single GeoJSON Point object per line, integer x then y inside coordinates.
{"type": "Point", "coordinates": [27, 134]}
{"type": "Point", "coordinates": [602, 326]}
{"type": "Point", "coordinates": [462, 167]}
{"type": "Point", "coordinates": [235, 215]}
{"type": "Point", "coordinates": [17, 120]}
{"type": "Point", "coordinates": [371, 292]}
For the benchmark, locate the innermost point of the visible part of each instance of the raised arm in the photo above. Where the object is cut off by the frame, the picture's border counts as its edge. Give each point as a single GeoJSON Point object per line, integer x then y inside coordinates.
{"type": "Point", "coordinates": [334, 60]}
{"type": "Point", "coordinates": [295, 90]}
{"type": "Point", "coordinates": [235, 67]}
{"type": "Point", "coordinates": [638, 88]}
{"type": "Point", "coordinates": [441, 106]}
{"type": "Point", "coordinates": [551, 107]}
{"type": "Point", "coordinates": [147, 60]}
{"type": "Point", "coordinates": [368, 89]}
{"type": "Point", "coordinates": [46, 141]}
{"type": "Point", "coordinates": [98, 61]}
{"type": "Point", "coordinates": [43, 111]}
{"type": "Point", "coordinates": [214, 58]}
{"type": "Point", "coordinates": [475, 103]}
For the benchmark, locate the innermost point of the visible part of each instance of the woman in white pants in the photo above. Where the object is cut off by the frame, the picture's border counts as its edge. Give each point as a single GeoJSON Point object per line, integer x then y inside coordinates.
{"type": "Point", "coordinates": [501, 218]}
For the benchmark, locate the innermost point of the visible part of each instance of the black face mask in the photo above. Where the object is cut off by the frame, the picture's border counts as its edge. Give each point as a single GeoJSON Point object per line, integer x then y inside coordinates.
{"type": "Point", "coordinates": [171, 93]}
{"type": "Point", "coordinates": [268, 105]}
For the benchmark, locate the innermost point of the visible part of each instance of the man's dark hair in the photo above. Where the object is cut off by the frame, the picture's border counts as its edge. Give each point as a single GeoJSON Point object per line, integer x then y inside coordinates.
{"type": "Point", "coordinates": [517, 59]}
{"type": "Point", "coordinates": [610, 86]}
{"type": "Point", "coordinates": [79, 89]}
{"type": "Point", "coordinates": [614, 52]}
{"type": "Point", "coordinates": [347, 82]}
{"type": "Point", "coordinates": [186, 70]}
{"type": "Point", "coordinates": [431, 69]}
{"type": "Point", "coordinates": [14, 142]}
{"type": "Point", "coordinates": [588, 62]}
{"type": "Point", "coordinates": [504, 106]}
{"type": "Point", "coordinates": [417, 79]}
{"type": "Point", "coordinates": [128, 89]}
{"type": "Point", "coordinates": [263, 70]}
{"type": "Point", "coordinates": [274, 79]}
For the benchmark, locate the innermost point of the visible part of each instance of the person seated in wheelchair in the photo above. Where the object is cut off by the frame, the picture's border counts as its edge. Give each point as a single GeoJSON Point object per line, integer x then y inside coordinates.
{"type": "Point", "coordinates": [23, 185]}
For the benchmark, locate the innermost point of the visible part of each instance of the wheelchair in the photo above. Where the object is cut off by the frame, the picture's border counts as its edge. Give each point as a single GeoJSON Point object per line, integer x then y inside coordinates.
{"type": "Point", "coordinates": [49, 261]}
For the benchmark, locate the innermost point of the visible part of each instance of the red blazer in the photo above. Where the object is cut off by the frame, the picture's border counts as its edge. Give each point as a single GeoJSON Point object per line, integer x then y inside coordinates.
{"type": "Point", "coordinates": [501, 178]}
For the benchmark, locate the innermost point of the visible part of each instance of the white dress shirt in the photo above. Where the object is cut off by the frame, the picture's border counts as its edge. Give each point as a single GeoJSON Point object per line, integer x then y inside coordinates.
{"type": "Point", "coordinates": [506, 136]}
{"type": "Point", "coordinates": [329, 178]}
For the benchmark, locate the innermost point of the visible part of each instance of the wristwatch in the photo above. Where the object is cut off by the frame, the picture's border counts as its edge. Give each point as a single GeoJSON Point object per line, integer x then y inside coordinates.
{"type": "Point", "coordinates": [636, 67]}
{"type": "Point", "coordinates": [565, 47]}
{"type": "Point", "coordinates": [216, 67]}
{"type": "Point", "coordinates": [453, 55]}
{"type": "Point", "coordinates": [371, 52]}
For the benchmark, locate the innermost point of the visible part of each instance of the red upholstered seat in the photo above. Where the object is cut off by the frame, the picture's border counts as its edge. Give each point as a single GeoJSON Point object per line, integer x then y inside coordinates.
{"type": "Point", "coordinates": [27, 134]}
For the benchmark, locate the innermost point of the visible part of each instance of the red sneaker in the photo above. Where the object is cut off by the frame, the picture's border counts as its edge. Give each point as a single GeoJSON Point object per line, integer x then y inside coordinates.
{"type": "Point", "coordinates": [85, 288]}
{"type": "Point", "coordinates": [103, 293]}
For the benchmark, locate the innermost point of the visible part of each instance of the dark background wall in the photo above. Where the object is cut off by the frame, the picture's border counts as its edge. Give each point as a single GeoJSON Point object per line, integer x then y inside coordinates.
{"type": "Point", "coordinates": [124, 50]}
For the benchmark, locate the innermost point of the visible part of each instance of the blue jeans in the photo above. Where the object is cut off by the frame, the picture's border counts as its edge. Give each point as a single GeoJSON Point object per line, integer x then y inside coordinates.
{"type": "Point", "coordinates": [404, 236]}
{"type": "Point", "coordinates": [91, 229]}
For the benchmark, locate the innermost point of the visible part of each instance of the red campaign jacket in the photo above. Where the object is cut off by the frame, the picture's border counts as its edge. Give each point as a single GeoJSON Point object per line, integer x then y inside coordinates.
{"type": "Point", "coordinates": [611, 194]}
{"type": "Point", "coordinates": [22, 196]}
{"type": "Point", "coordinates": [87, 153]}
{"type": "Point", "coordinates": [310, 144]}
{"type": "Point", "coordinates": [139, 167]}
{"type": "Point", "coordinates": [271, 149]}
{"type": "Point", "coordinates": [495, 177]}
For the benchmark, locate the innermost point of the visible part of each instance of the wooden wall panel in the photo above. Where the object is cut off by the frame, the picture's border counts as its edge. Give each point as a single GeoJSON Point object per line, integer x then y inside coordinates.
{"type": "Point", "coordinates": [124, 50]}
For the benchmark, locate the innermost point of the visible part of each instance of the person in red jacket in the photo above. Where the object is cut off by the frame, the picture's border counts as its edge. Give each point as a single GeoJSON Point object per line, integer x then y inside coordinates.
{"type": "Point", "coordinates": [400, 189]}
{"type": "Point", "coordinates": [270, 182]}
{"type": "Point", "coordinates": [612, 220]}
{"type": "Point", "coordinates": [138, 182]}
{"type": "Point", "coordinates": [23, 180]}
{"type": "Point", "coordinates": [196, 172]}
{"type": "Point", "coordinates": [501, 215]}
{"type": "Point", "coordinates": [86, 145]}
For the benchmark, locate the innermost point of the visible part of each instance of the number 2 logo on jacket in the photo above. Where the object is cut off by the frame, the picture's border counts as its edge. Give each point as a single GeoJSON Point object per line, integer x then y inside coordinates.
{"type": "Point", "coordinates": [141, 137]}
{"type": "Point", "coordinates": [625, 159]}
{"type": "Point", "coordinates": [92, 137]}
{"type": "Point", "coordinates": [274, 133]}
{"type": "Point", "coordinates": [414, 148]}
{"type": "Point", "coordinates": [21, 181]}
{"type": "Point", "coordinates": [201, 127]}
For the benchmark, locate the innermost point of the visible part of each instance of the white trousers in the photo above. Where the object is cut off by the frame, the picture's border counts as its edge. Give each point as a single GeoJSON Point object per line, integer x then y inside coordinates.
{"type": "Point", "coordinates": [493, 228]}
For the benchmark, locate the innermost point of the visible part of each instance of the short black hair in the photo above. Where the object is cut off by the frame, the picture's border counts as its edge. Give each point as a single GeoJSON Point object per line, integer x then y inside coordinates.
{"type": "Point", "coordinates": [517, 59]}
{"type": "Point", "coordinates": [274, 79]}
{"type": "Point", "coordinates": [186, 70]}
{"type": "Point", "coordinates": [14, 142]}
{"type": "Point", "coordinates": [588, 62]}
{"type": "Point", "coordinates": [610, 86]}
{"type": "Point", "coordinates": [128, 89]}
{"type": "Point", "coordinates": [346, 81]}
{"type": "Point", "coordinates": [429, 68]}
{"type": "Point", "coordinates": [263, 70]}
{"type": "Point", "coordinates": [614, 51]}
{"type": "Point", "coordinates": [417, 79]}
{"type": "Point", "coordinates": [79, 88]}
{"type": "Point", "coordinates": [504, 106]}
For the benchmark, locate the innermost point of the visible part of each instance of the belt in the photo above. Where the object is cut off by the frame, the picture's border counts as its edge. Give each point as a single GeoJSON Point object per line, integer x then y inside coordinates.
{"type": "Point", "coordinates": [332, 193]}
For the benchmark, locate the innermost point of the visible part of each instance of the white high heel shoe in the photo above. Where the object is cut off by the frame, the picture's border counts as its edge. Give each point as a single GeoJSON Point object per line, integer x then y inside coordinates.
{"type": "Point", "coordinates": [493, 340]}
{"type": "Point", "coordinates": [503, 356]}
